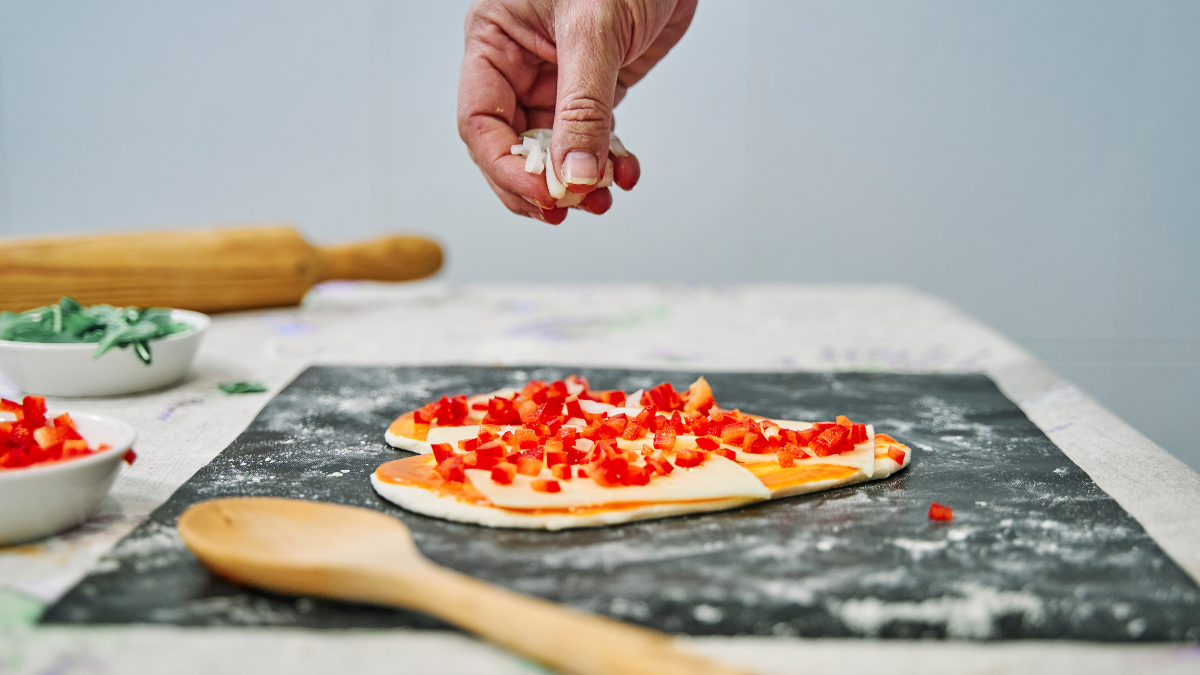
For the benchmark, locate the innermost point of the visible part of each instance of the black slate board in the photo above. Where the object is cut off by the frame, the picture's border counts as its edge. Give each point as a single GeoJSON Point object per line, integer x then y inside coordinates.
{"type": "Point", "coordinates": [1036, 550]}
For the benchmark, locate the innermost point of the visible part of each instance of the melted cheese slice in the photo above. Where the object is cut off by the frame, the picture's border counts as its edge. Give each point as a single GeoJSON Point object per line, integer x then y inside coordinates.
{"type": "Point", "coordinates": [862, 458]}
{"type": "Point", "coordinates": [716, 478]}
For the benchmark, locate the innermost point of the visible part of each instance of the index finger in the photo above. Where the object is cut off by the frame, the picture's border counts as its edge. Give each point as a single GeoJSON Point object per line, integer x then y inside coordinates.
{"type": "Point", "coordinates": [487, 112]}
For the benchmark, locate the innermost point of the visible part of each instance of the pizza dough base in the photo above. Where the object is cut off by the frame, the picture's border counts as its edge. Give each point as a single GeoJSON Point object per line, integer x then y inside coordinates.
{"type": "Point", "coordinates": [447, 507]}
{"type": "Point", "coordinates": [425, 502]}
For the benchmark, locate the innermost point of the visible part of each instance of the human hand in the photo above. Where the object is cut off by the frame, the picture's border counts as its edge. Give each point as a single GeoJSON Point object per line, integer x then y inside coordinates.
{"type": "Point", "coordinates": [560, 64]}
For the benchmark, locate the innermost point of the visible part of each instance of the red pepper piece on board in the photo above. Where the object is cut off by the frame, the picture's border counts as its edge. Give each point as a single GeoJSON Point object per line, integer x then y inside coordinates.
{"type": "Point", "coordinates": [896, 454]}
{"type": "Point", "coordinates": [940, 512]}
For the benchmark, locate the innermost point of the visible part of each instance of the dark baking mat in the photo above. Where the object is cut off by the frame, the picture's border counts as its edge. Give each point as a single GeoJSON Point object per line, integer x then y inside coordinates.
{"type": "Point", "coordinates": [1035, 549]}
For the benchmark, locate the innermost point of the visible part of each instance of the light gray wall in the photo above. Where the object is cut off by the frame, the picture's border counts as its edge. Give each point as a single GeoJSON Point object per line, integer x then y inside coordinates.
{"type": "Point", "coordinates": [1036, 163]}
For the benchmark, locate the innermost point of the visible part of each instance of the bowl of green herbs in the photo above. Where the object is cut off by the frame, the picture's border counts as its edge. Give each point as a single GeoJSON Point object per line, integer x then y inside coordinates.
{"type": "Point", "coordinates": [67, 349]}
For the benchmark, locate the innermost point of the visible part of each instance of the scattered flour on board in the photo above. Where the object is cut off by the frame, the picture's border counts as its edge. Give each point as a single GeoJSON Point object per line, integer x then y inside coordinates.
{"type": "Point", "coordinates": [707, 614]}
{"type": "Point", "coordinates": [919, 549]}
{"type": "Point", "coordinates": [972, 616]}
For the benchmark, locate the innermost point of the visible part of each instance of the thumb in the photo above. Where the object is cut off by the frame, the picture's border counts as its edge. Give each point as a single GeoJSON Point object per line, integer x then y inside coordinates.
{"type": "Point", "coordinates": [590, 51]}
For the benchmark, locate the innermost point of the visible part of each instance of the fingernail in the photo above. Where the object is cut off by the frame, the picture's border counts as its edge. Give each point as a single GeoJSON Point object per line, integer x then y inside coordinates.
{"type": "Point", "coordinates": [580, 168]}
{"type": "Point", "coordinates": [531, 200]}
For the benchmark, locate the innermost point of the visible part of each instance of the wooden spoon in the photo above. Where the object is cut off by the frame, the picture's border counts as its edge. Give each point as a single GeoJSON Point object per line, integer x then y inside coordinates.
{"type": "Point", "coordinates": [312, 548]}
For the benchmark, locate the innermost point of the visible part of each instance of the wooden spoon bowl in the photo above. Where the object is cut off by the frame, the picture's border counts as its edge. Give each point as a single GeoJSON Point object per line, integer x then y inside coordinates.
{"type": "Point", "coordinates": [311, 548]}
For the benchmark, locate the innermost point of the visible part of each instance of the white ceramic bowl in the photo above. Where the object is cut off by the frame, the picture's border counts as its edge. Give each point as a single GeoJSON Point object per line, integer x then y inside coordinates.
{"type": "Point", "coordinates": [52, 369]}
{"type": "Point", "coordinates": [44, 499]}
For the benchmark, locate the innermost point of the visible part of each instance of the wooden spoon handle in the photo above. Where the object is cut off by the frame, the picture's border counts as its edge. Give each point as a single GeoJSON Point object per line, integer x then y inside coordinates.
{"type": "Point", "coordinates": [560, 638]}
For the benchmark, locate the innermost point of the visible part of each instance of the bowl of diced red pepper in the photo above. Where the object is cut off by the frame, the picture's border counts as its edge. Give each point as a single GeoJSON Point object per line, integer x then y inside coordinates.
{"type": "Point", "coordinates": [55, 467]}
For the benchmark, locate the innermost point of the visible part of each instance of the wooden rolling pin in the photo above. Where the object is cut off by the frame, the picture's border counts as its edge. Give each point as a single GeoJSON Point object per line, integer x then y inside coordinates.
{"type": "Point", "coordinates": [204, 270]}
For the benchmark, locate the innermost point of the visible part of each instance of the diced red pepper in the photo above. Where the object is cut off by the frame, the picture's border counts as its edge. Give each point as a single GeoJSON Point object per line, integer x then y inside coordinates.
{"type": "Point", "coordinates": [664, 439]}
{"type": "Point", "coordinates": [633, 432]}
{"type": "Point", "coordinates": [442, 452]}
{"type": "Point", "coordinates": [35, 411]}
{"type": "Point", "coordinates": [574, 410]}
{"type": "Point", "coordinates": [664, 397]}
{"type": "Point", "coordinates": [785, 460]}
{"type": "Point", "coordinates": [755, 443]}
{"type": "Point", "coordinates": [614, 425]}
{"type": "Point", "coordinates": [659, 465]}
{"type": "Point", "coordinates": [561, 471]}
{"type": "Point", "coordinates": [616, 398]}
{"type": "Point", "coordinates": [48, 437]}
{"type": "Point", "coordinates": [451, 470]}
{"type": "Point", "coordinates": [452, 411]}
{"type": "Point", "coordinates": [859, 435]}
{"type": "Point", "coordinates": [529, 466]}
{"type": "Point", "coordinates": [504, 473]}
{"type": "Point", "coordinates": [556, 392]}
{"type": "Point", "coordinates": [544, 485]}
{"type": "Point", "coordinates": [523, 438]}
{"type": "Point", "coordinates": [490, 449]}
{"type": "Point", "coordinates": [527, 411]}
{"type": "Point", "coordinates": [7, 406]}
{"type": "Point", "coordinates": [805, 436]}
{"type": "Point", "coordinates": [708, 442]}
{"type": "Point", "coordinates": [635, 475]}
{"type": "Point", "coordinates": [549, 411]}
{"type": "Point", "coordinates": [726, 453]}
{"type": "Point", "coordinates": [735, 433]}
{"type": "Point", "coordinates": [130, 456]}
{"type": "Point", "coordinates": [535, 390]}
{"type": "Point", "coordinates": [486, 462]}
{"type": "Point", "coordinates": [501, 411]}
{"type": "Point", "coordinates": [896, 454]}
{"type": "Point", "coordinates": [829, 441]}
{"type": "Point", "coordinates": [469, 444]}
{"type": "Point", "coordinates": [686, 459]}
{"type": "Point", "coordinates": [940, 512]}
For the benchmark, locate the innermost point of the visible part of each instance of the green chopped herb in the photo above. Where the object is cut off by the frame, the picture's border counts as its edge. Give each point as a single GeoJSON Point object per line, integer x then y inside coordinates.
{"type": "Point", "coordinates": [242, 387]}
{"type": "Point", "coordinates": [107, 326]}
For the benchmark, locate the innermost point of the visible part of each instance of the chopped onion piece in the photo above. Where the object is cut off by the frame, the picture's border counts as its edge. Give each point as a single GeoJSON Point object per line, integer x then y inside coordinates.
{"type": "Point", "coordinates": [535, 148]}
{"type": "Point", "coordinates": [615, 146]}
{"type": "Point", "coordinates": [557, 189]}
{"type": "Point", "coordinates": [608, 175]}
{"type": "Point", "coordinates": [533, 163]}
{"type": "Point", "coordinates": [571, 199]}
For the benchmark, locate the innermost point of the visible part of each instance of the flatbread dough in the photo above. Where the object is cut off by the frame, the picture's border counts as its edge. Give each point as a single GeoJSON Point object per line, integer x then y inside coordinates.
{"type": "Point", "coordinates": [716, 484]}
